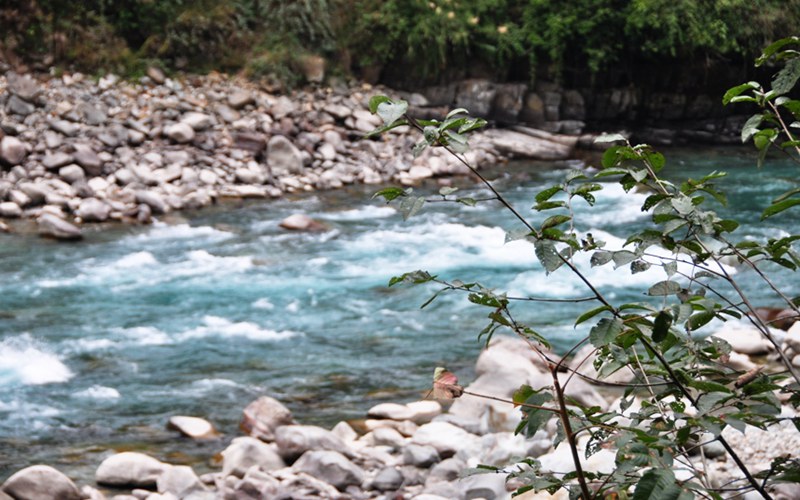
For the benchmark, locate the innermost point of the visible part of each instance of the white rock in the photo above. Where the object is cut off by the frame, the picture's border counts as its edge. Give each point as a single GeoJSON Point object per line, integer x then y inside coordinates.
{"type": "Point", "coordinates": [179, 480]}
{"type": "Point", "coordinates": [53, 226]}
{"type": "Point", "coordinates": [198, 121]}
{"type": "Point", "coordinates": [180, 132]}
{"type": "Point", "coordinates": [294, 440]}
{"type": "Point", "coordinates": [261, 417]}
{"type": "Point", "coordinates": [423, 412]}
{"type": "Point", "coordinates": [331, 467]}
{"type": "Point", "coordinates": [420, 455]}
{"type": "Point", "coordinates": [391, 411]}
{"type": "Point", "coordinates": [283, 157]}
{"type": "Point", "coordinates": [302, 222]}
{"type": "Point", "coordinates": [345, 432]}
{"type": "Point", "coordinates": [10, 210]}
{"type": "Point", "coordinates": [72, 173]}
{"type": "Point", "coordinates": [130, 469]}
{"type": "Point", "coordinates": [743, 338]}
{"type": "Point", "coordinates": [93, 210]}
{"type": "Point", "coordinates": [446, 438]}
{"type": "Point", "coordinates": [12, 150]}
{"type": "Point", "coordinates": [245, 452]}
{"type": "Point", "coordinates": [387, 436]}
{"type": "Point", "coordinates": [40, 482]}
{"type": "Point", "coordinates": [193, 427]}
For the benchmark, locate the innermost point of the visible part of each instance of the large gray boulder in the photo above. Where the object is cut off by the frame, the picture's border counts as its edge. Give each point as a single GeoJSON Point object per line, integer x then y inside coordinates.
{"type": "Point", "coordinates": [93, 210]}
{"type": "Point", "coordinates": [130, 470]}
{"type": "Point", "coordinates": [12, 150]}
{"type": "Point", "coordinates": [179, 480]}
{"type": "Point", "coordinates": [40, 482]}
{"type": "Point", "coordinates": [245, 452]}
{"type": "Point", "coordinates": [523, 145]}
{"type": "Point", "coordinates": [87, 158]}
{"type": "Point", "coordinates": [283, 157]}
{"type": "Point", "coordinates": [294, 440]}
{"type": "Point", "coordinates": [261, 417]}
{"type": "Point", "coordinates": [331, 467]}
{"type": "Point", "coordinates": [53, 226]}
{"type": "Point", "coordinates": [446, 438]}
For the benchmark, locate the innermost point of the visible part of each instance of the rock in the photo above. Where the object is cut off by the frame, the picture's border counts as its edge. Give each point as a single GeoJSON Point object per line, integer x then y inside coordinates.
{"type": "Point", "coordinates": [573, 106]}
{"type": "Point", "coordinates": [180, 132]}
{"type": "Point", "coordinates": [331, 467]}
{"type": "Point", "coordinates": [56, 160]}
{"type": "Point", "coordinates": [198, 121]}
{"type": "Point", "coordinates": [240, 98]}
{"type": "Point", "coordinates": [525, 146]}
{"type": "Point", "coordinates": [313, 68]}
{"type": "Point", "coordinates": [152, 200]}
{"type": "Point", "coordinates": [386, 436]}
{"type": "Point", "coordinates": [12, 150]}
{"type": "Point", "coordinates": [20, 198]}
{"type": "Point", "coordinates": [72, 173]}
{"type": "Point", "coordinates": [249, 141]}
{"type": "Point", "coordinates": [156, 74]}
{"type": "Point", "coordinates": [245, 452]}
{"type": "Point", "coordinates": [261, 417]}
{"type": "Point", "coordinates": [792, 338]}
{"type": "Point", "coordinates": [337, 111]}
{"type": "Point", "coordinates": [446, 438]}
{"type": "Point", "coordinates": [508, 102]}
{"type": "Point", "coordinates": [388, 479]}
{"type": "Point", "coordinates": [486, 486]}
{"type": "Point", "coordinates": [36, 191]}
{"type": "Point", "coordinates": [92, 114]}
{"type": "Point", "coordinates": [583, 363]}
{"type": "Point", "coordinates": [301, 222]}
{"type": "Point", "coordinates": [93, 210]}
{"type": "Point", "coordinates": [23, 86]}
{"type": "Point", "coordinates": [282, 106]}
{"type": "Point", "coordinates": [193, 427]}
{"type": "Point", "coordinates": [532, 111]}
{"type": "Point", "coordinates": [56, 227]}
{"type": "Point", "coordinates": [87, 158]}
{"type": "Point", "coordinates": [10, 210]}
{"type": "Point", "coordinates": [256, 485]}
{"type": "Point", "coordinates": [40, 482]}
{"type": "Point", "coordinates": [20, 107]}
{"type": "Point", "coordinates": [391, 411]}
{"type": "Point", "coordinates": [64, 127]}
{"type": "Point", "coordinates": [327, 151]}
{"type": "Point", "coordinates": [476, 96]}
{"type": "Point", "coordinates": [423, 412]}
{"type": "Point", "coordinates": [247, 176]}
{"type": "Point", "coordinates": [743, 338]}
{"type": "Point", "coordinates": [420, 455]}
{"type": "Point", "coordinates": [179, 480]}
{"type": "Point", "coordinates": [130, 470]}
{"type": "Point", "coordinates": [283, 157]}
{"type": "Point", "coordinates": [294, 440]}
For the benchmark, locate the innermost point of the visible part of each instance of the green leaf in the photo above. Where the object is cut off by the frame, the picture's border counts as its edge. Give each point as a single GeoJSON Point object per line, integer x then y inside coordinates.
{"type": "Point", "coordinates": [548, 193]}
{"type": "Point", "coordinates": [623, 257]}
{"type": "Point", "coordinates": [737, 90]}
{"type": "Point", "coordinates": [547, 255]}
{"type": "Point", "coordinates": [376, 101]}
{"type": "Point", "coordinates": [696, 321]}
{"type": "Point", "coordinates": [786, 78]}
{"type": "Point", "coordinates": [410, 205]}
{"type": "Point", "coordinates": [639, 266]}
{"type": "Point", "coordinates": [415, 277]}
{"type": "Point", "coordinates": [555, 220]}
{"type": "Point", "coordinates": [605, 331]}
{"type": "Point", "coordinates": [751, 127]}
{"type": "Point", "coordinates": [457, 111]}
{"type": "Point", "coordinates": [391, 111]}
{"type": "Point", "coordinates": [385, 128]}
{"type": "Point", "coordinates": [779, 207]}
{"type": "Point", "coordinates": [601, 257]}
{"type": "Point", "coordinates": [682, 204]}
{"type": "Point", "coordinates": [657, 484]}
{"type": "Point", "coordinates": [611, 156]}
{"type": "Point", "coordinates": [661, 326]}
{"type": "Point", "coordinates": [663, 288]}
{"type": "Point", "coordinates": [591, 314]}
{"type": "Point", "coordinates": [774, 47]}
{"type": "Point", "coordinates": [472, 124]}
{"type": "Point", "coordinates": [391, 193]}
{"type": "Point", "coordinates": [447, 190]}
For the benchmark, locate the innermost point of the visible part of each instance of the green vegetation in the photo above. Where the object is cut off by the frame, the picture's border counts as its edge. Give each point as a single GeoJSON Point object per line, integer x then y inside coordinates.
{"type": "Point", "coordinates": [423, 40]}
{"type": "Point", "coordinates": [681, 391]}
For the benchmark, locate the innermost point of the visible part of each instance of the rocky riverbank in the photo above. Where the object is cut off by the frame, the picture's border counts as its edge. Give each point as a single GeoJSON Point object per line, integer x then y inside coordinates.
{"type": "Point", "coordinates": [407, 451]}
{"type": "Point", "coordinates": [76, 152]}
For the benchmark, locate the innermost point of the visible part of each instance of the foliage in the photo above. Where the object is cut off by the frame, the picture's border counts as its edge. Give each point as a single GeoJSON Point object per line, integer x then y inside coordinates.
{"type": "Point", "coordinates": [679, 375]}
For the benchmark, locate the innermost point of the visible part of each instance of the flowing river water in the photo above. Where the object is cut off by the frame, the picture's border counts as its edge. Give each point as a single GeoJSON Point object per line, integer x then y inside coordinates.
{"type": "Point", "coordinates": [102, 341]}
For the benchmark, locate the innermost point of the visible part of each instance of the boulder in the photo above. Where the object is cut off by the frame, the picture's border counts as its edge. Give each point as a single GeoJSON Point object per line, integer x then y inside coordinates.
{"type": "Point", "coordinates": [130, 470]}
{"type": "Point", "coordinates": [152, 200]}
{"type": "Point", "coordinates": [476, 96]}
{"type": "Point", "coordinates": [198, 121]}
{"type": "Point", "coordinates": [388, 479]}
{"type": "Point", "coordinates": [193, 427]}
{"type": "Point", "coordinates": [261, 417]}
{"type": "Point", "coordinates": [10, 210]}
{"type": "Point", "coordinates": [55, 227]}
{"type": "Point", "coordinates": [446, 438]}
{"type": "Point", "coordinates": [40, 482]}
{"type": "Point", "coordinates": [283, 157]}
{"type": "Point", "coordinates": [522, 145]}
{"type": "Point", "coordinates": [240, 98]}
{"type": "Point", "coordinates": [56, 160]}
{"type": "Point", "coordinates": [386, 436]}
{"type": "Point", "coordinates": [180, 132]}
{"type": "Point", "coordinates": [423, 412]}
{"type": "Point", "coordinates": [20, 107]}
{"type": "Point", "coordinates": [256, 485]}
{"type": "Point", "coordinates": [391, 411]}
{"type": "Point", "coordinates": [12, 150]}
{"type": "Point", "coordinates": [301, 222]}
{"type": "Point", "coordinates": [294, 440]}
{"type": "Point", "coordinates": [245, 452]}
{"type": "Point", "coordinates": [331, 467]}
{"type": "Point", "coordinates": [93, 210]}
{"type": "Point", "coordinates": [179, 480]}
{"type": "Point", "coordinates": [743, 338]}
{"type": "Point", "coordinates": [508, 102]}
{"type": "Point", "coordinates": [420, 455]}
{"type": "Point", "coordinates": [87, 158]}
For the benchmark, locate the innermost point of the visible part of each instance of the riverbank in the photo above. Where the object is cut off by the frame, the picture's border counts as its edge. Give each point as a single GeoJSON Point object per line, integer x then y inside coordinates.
{"type": "Point", "coordinates": [76, 152]}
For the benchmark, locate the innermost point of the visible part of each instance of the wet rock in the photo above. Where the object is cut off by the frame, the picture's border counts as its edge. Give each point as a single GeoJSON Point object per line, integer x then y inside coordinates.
{"type": "Point", "coordinates": [180, 132]}
{"type": "Point", "coordinates": [93, 210]}
{"type": "Point", "coordinates": [40, 482]}
{"type": "Point", "coordinates": [331, 467]}
{"type": "Point", "coordinates": [245, 452]}
{"type": "Point", "coordinates": [294, 440]}
{"type": "Point", "coordinates": [130, 470]}
{"type": "Point", "coordinates": [283, 157]}
{"type": "Point", "coordinates": [301, 222]}
{"type": "Point", "coordinates": [56, 227]}
{"type": "Point", "coordinates": [193, 427]}
{"type": "Point", "coordinates": [261, 417]}
{"type": "Point", "coordinates": [12, 150]}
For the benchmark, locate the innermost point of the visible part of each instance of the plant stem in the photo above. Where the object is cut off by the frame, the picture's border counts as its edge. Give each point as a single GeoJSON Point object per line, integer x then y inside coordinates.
{"type": "Point", "coordinates": [573, 445]}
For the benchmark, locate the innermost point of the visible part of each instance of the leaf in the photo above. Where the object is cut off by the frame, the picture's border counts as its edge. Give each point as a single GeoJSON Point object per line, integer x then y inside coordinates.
{"type": "Point", "coordinates": [385, 128]}
{"type": "Point", "coordinates": [391, 193]}
{"type": "Point", "coordinates": [682, 204]}
{"type": "Point", "coordinates": [548, 193]}
{"type": "Point", "coordinates": [639, 266]}
{"type": "Point", "coordinates": [555, 220]}
{"type": "Point", "coordinates": [547, 255]}
{"type": "Point", "coordinates": [786, 78]}
{"type": "Point", "coordinates": [601, 257]}
{"type": "Point", "coordinates": [457, 111]}
{"type": "Point", "coordinates": [445, 384]}
{"type": "Point", "coordinates": [376, 101]}
{"type": "Point", "coordinates": [661, 326]}
{"type": "Point", "coordinates": [605, 331]}
{"type": "Point", "coordinates": [774, 47]}
{"type": "Point", "coordinates": [664, 288]}
{"type": "Point", "coordinates": [657, 484]}
{"type": "Point", "coordinates": [738, 90]}
{"type": "Point", "coordinates": [623, 257]}
{"type": "Point", "coordinates": [472, 124]}
{"type": "Point", "coordinates": [779, 207]}
{"type": "Point", "coordinates": [410, 205]}
{"type": "Point", "coordinates": [751, 127]}
{"type": "Point", "coordinates": [391, 111]}
{"type": "Point", "coordinates": [696, 321]}
{"type": "Point", "coordinates": [447, 190]}
{"type": "Point", "coordinates": [591, 314]}
{"type": "Point", "coordinates": [604, 138]}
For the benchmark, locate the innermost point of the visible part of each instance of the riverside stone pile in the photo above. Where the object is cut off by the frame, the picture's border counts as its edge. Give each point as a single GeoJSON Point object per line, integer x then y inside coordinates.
{"type": "Point", "coordinates": [400, 451]}
{"type": "Point", "coordinates": [74, 151]}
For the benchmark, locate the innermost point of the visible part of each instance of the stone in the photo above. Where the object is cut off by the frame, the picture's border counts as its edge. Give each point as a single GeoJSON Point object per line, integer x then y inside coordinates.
{"type": "Point", "coordinates": [92, 114]}
{"type": "Point", "coordinates": [55, 227]}
{"type": "Point", "coordinates": [313, 68]}
{"type": "Point", "coordinates": [521, 145]}
{"type": "Point", "coordinates": [240, 98]}
{"type": "Point", "coordinates": [93, 210]}
{"type": "Point", "coordinates": [10, 210]}
{"type": "Point", "coordinates": [423, 412]}
{"type": "Point", "coordinates": [476, 96]}
{"type": "Point", "coordinates": [282, 106]}
{"type": "Point", "coordinates": [17, 106]}
{"type": "Point", "coordinates": [130, 470]}
{"type": "Point", "coordinates": [337, 111]}
{"type": "Point", "coordinates": [331, 467]}
{"type": "Point", "coordinates": [327, 151]}
{"type": "Point", "coordinates": [388, 479]}
{"type": "Point", "coordinates": [508, 102]}
{"type": "Point", "coordinates": [386, 436]}
{"type": "Point", "coordinates": [65, 127]}
{"type": "Point", "coordinates": [391, 411]}
{"type": "Point", "coordinates": [193, 427]}
{"type": "Point", "coordinates": [247, 176]}
{"type": "Point", "coordinates": [249, 141]}
{"type": "Point", "coordinates": [180, 132]}
{"type": "Point", "coordinates": [156, 74]}
{"type": "Point", "coordinates": [19, 197]}
{"type": "Point", "coordinates": [261, 417]}
{"type": "Point", "coordinates": [446, 438]}
{"type": "Point", "coordinates": [179, 480]}
{"type": "Point", "coordinates": [294, 440]}
{"type": "Point", "coordinates": [258, 484]}
{"type": "Point", "coordinates": [245, 452]}
{"type": "Point", "coordinates": [573, 106]}
{"type": "Point", "coordinates": [12, 150]}
{"type": "Point", "coordinates": [40, 482]}
{"type": "Point", "coordinates": [98, 184]}
{"type": "Point", "coordinates": [87, 158]}
{"type": "Point", "coordinates": [420, 455]}
{"type": "Point", "coordinates": [56, 160]}
{"type": "Point", "coordinates": [198, 121]}
{"type": "Point", "coordinates": [23, 86]}
{"type": "Point", "coordinates": [743, 338]}
{"type": "Point", "coordinates": [35, 191]}
{"type": "Point", "coordinates": [301, 222]}
{"type": "Point", "coordinates": [532, 111]}
{"type": "Point", "coordinates": [283, 157]}
{"type": "Point", "coordinates": [152, 200]}
{"type": "Point", "coordinates": [486, 486]}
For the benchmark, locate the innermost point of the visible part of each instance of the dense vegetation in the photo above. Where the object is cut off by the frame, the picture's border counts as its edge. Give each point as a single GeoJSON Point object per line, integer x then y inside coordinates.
{"type": "Point", "coordinates": [422, 40]}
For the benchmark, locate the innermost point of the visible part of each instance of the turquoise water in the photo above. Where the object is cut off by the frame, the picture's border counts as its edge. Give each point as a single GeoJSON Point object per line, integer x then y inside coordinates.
{"type": "Point", "coordinates": [201, 313]}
